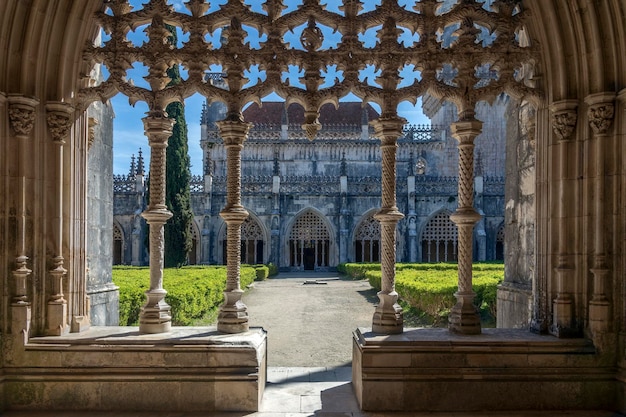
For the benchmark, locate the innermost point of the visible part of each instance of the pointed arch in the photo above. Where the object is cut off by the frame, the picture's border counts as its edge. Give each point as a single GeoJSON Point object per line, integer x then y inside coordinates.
{"type": "Point", "coordinates": [439, 239]}
{"type": "Point", "coordinates": [309, 242]}
{"type": "Point", "coordinates": [254, 238]}
{"type": "Point", "coordinates": [367, 239]}
{"type": "Point", "coordinates": [500, 243]}
{"type": "Point", "coordinates": [118, 244]}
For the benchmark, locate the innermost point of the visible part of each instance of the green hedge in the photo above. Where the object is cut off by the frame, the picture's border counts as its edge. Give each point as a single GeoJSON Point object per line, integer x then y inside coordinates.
{"type": "Point", "coordinates": [430, 287]}
{"type": "Point", "coordinates": [192, 291]}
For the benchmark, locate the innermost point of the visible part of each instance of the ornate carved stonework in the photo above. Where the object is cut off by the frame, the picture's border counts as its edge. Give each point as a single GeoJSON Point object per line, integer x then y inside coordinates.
{"type": "Point", "coordinates": [601, 117]}
{"type": "Point", "coordinates": [59, 120]}
{"type": "Point", "coordinates": [22, 114]}
{"type": "Point", "coordinates": [564, 118]}
{"type": "Point", "coordinates": [564, 123]}
{"type": "Point", "coordinates": [93, 122]}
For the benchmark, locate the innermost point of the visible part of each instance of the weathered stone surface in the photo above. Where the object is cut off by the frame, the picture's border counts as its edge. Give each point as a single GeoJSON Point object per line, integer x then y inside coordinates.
{"type": "Point", "coordinates": [191, 369]}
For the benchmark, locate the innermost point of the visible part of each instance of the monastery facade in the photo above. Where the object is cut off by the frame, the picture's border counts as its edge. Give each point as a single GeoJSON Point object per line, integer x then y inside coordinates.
{"type": "Point", "coordinates": [312, 203]}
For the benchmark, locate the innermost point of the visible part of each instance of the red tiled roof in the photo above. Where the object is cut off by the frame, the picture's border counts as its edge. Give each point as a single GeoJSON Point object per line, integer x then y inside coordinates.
{"type": "Point", "coordinates": [272, 113]}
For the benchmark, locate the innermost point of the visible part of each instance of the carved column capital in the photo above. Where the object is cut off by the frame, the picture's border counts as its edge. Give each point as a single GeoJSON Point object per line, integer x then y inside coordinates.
{"type": "Point", "coordinates": [388, 129]}
{"type": "Point", "coordinates": [600, 112]}
{"type": "Point", "coordinates": [22, 113]}
{"type": "Point", "coordinates": [564, 118]}
{"type": "Point", "coordinates": [59, 120]}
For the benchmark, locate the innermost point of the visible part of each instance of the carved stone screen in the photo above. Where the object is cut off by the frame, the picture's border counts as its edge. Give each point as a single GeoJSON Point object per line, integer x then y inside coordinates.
{"type": "Point", "coordinates": [367, 241]}
{"type": "Point", "coordinates": [439, 239]}
{"type": "Point", "coordinates": [309, 242]}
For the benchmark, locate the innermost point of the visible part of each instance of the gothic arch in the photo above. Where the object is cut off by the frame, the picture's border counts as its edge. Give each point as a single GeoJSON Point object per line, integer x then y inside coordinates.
{"type": "Point", "coordinates": [366, 239]}
{"type": "Point", "coordinates": [119, 244]}
{"type": "Point", "coordinates": [254, 241]}
{"type": "Point", "coordinates": [310, 242]}
{"type": "Point", "coordinates": [499, 243]}
{"type": "Point", "coordinates": [439, 238]}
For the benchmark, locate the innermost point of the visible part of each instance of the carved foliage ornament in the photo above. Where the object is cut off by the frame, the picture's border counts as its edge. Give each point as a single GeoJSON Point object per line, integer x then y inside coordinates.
{"type": "Point", "coordinates": [564, 123]}
{"type": "Point", "coordinates": [485, 53]}
{"type": "Point", "coordinates": [22, 118]}
{"type": "Point", "coordinates": [59, 125]}
{"type": "Point", "coordinates": [601, 117]}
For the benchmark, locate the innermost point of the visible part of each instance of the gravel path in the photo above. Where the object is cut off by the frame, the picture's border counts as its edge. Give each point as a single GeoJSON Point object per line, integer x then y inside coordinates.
{"type": "Point", "coordinates": [310, 317]}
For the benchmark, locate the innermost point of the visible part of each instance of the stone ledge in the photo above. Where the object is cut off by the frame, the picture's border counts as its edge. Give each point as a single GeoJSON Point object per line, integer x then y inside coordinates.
{"type": "Point", "coordinates": [117, 368]}
{"type": "Point", "coordinates": [500, 369]}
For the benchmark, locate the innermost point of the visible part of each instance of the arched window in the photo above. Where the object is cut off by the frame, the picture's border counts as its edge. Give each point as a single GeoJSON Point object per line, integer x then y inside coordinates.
{"type": "Point", "coordinates": [118, 245]}
{"type": "Point", "coordinates": [252, 242]}
{"type": "Point", "coordinates": [367, 241]}
{"type": "Point", "coordinates": [309, 243]}
{"type": "Point", "coordinates": [439, 239]}
{"type": "Point", "coordinates": [500, 244]}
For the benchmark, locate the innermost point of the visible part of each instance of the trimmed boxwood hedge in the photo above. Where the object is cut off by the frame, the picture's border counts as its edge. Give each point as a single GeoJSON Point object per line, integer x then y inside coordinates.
{"type": "Point", "coordinates": [192, 291]}
{"type": "Point", "coordinates": [430, 287]}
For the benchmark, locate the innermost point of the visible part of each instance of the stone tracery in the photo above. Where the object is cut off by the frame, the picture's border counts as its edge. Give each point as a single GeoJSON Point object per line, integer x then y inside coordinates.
{"type": "Point", "coordinates": [484, 53]}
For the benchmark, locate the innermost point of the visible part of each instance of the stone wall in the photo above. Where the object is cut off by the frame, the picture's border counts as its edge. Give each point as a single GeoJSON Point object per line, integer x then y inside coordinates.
{"type": "Point", "coordinates": [514, 295]}
{"type": "Point", "coordinates": [103, 294]}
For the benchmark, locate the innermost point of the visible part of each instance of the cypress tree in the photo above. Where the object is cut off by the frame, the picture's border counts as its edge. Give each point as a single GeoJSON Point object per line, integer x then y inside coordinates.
{"type": "Point", "coordinates": [178, 241]}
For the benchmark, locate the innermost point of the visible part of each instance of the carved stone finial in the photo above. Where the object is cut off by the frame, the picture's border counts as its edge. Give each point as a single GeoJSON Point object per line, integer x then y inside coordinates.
{"type": "Point", "coordinates": [22, 113]}
{"type": "Point", "coordinates": [59, 120]}
{"type": "Point", "coordinates": [564, 118]}
{"type": "Point", "coordinates": [601, 111]}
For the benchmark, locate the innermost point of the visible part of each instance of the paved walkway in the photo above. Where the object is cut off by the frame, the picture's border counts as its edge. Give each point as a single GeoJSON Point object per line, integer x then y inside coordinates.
{"type": "Point", "coordinates": [310, 317]}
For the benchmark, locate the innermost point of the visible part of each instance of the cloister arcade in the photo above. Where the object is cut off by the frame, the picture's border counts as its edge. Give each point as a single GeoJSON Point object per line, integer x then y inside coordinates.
{"type": "Point", "coordinates": [562, 62]}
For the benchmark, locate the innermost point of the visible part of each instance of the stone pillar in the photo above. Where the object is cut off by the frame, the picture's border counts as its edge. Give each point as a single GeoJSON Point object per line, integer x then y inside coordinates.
{"type": "Point", "coordinates": [155, 314]}
{"type": "Point", "coordinates": [22, 119]}
{"type": "Point", "coordinates": [564, 117]}
{"type": "Point", "coordinates": [388, 317]}
{"type": "Point", "coordinates": [600, 116]}
{"type": "Point", "coordinates": [59, 124]}
{"type": "Point", "coordinates": [233, 315]}
{"type": "Point", "coordinates": [464, 316]}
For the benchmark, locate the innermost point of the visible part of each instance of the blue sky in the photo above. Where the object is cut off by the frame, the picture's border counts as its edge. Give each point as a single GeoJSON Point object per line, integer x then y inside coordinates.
{"type": "Point", "coordinates": [128, 134]}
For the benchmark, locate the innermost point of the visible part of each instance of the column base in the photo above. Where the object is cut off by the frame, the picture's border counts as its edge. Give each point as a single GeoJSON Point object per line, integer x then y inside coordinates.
{"type": "Point", "coordinates": [233, 315]}
{"type": "Point", "coordinates": [464, 317]}
{"type": "Point", "coordinates": [388, 317]}
{"type": "Point", "coordinates": [155, 315]}
{"type": "Point", "coordinates": [562, 319]}
{"type": "Point", "coordinates": [57, 319]}
{"type": "Point", "coordinates": [599, 315]}
{"type": "Point", "coordinates": [20, 318]}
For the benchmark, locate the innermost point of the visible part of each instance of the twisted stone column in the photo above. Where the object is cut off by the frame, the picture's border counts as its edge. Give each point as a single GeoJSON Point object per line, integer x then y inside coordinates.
{"type": "Point", "coordinates": [22, 119]}
{"type": "Point", "coordinates": [59, 124]}
{"type": "Point", "coordinates": [564, 117]}
{"type": "Point", "coordinates": [464, 316]}
{"type": "Point", "coordinates": [388, 317]}
{"type": "Point", "coordinates": [233, 315]}
{"type": "Point", "coordinates": [600, 115]}
{"type": "Point", "coordinates": [155, 314]}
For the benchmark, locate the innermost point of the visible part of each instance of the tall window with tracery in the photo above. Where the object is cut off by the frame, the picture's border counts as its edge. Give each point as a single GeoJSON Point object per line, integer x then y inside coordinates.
{"type": "Point", "coordinates": [500, 244]}
{"type": "Point", "coordinates": [118, 245]}
{"type": "Point", "coordinates": [367, 241]}
{"type": "Point", "coordinates": [309, 243]}
{"type": "Point", "coordinates": [252, 243]}
{"type": "Point", "coordinates": [439, 239]}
